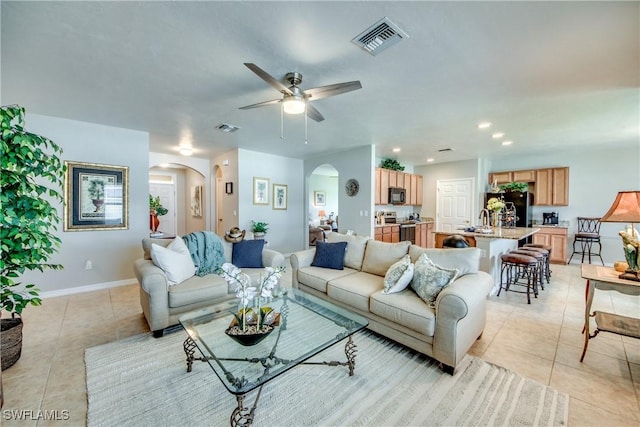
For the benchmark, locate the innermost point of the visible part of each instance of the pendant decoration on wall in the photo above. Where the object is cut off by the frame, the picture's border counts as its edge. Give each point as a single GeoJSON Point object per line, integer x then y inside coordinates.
{"type": "Point", "coordinates": [351, 187]}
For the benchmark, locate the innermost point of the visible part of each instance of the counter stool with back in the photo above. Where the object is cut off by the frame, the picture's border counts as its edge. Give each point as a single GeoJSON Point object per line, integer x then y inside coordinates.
{"type": "Point", "coordinates": [587, 235]}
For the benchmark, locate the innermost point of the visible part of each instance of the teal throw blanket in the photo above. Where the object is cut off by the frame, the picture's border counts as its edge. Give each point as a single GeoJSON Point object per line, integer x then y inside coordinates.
{"type": "Point", "coordinates": [206, 251]}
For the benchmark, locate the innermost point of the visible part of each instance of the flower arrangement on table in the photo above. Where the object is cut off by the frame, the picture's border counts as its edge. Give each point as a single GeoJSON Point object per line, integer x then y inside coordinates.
{"type": "Point", "coordinates": [495, 204]}
{"type": "Point", "coordinates": [248, 320]}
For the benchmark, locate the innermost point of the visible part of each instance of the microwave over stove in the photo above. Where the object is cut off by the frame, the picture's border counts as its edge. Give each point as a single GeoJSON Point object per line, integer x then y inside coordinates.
{"type": "Point", "coordinates": [397, 196]}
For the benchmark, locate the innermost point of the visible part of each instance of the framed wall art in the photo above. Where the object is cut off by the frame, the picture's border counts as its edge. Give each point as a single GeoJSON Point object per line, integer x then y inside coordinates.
{"type": "Point", "coordinates": [280, 196]}
{"type": "Point", "coordinates": [260, 191]}
{"type": "Point", "coordinates": [196, 200]}
{"type": "Point", "coordinates": [96, 197]}
{"type": "Point", "coordinates": [319, 198]}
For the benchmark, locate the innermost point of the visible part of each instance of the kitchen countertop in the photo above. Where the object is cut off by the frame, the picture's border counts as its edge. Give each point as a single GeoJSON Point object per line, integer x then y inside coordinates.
{"type": "Point", "coordinates": [400, 223]}
{"type": "Point", "coordinates": [497, 233]}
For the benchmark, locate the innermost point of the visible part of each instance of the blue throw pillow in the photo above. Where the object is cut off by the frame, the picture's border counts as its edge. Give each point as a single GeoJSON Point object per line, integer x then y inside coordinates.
{"type": "Point", "coordinates": [330, 255]}
{"type": "Point", "coordinates": [248, 254]}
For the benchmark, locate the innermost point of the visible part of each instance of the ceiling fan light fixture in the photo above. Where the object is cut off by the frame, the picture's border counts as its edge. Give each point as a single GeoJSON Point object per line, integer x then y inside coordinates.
{"type": "Point", "coordinates": [294, 104]}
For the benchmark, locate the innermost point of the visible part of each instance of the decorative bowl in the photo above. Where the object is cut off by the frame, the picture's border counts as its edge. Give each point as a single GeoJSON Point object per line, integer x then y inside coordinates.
{"type": "Point", "coordinates": [249, 337]}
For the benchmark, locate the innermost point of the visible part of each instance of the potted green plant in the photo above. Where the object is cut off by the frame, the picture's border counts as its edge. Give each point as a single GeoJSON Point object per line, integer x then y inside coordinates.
{"type": "Point", "coordinates": [96, 192]}
{"type": "Point", "coordinates": [259, 229]}
{"type": "Point", "coordinates": [392, 164]}
{"type": "Point", "coordinates": [31, 181]}
{"type": "Point", "coordinates": [514, 187]}
{"type": "Point", "coordinates": [155, 210]}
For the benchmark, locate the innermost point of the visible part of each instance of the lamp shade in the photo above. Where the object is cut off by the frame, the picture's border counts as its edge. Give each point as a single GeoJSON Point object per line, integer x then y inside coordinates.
{"type": "Point", "coordinates": [626, 208]}
{"type": "Point", "coordinates": [322, 213]}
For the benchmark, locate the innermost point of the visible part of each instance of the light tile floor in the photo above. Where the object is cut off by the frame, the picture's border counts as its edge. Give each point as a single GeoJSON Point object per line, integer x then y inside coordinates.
{"type": "Point", "coordinates": [542, 341]}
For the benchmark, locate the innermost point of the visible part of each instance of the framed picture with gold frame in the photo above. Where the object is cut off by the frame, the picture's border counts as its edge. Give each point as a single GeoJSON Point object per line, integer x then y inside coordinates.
{"type": "Point", "coordinates": [96, 197]}
{"type": "Point", "coordinates": [260, 191]}
{"type": "Point", "coordinates": [280, 196]}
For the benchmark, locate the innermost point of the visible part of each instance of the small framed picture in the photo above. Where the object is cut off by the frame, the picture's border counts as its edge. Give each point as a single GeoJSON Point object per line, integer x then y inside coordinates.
{"type": "Point", "coordinates": [96, 197]}
{"type": "Point", "coordinates": [260, 191]}
{"type": "Point", "coordinates": [280, 196]}
{"type": "Point", "coordinates": [319, 198]}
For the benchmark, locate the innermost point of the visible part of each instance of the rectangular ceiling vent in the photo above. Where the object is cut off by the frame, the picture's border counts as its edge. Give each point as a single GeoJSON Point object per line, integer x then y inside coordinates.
{"type": "Point", "coordinates": [444, 150]}
{"type": "Point", "coordinates": [227, 128]}
{"type": "Point", "coordinates": [379, 36]}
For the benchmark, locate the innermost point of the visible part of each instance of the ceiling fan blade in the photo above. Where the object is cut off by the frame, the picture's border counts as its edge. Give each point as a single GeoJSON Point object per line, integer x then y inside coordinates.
{"type": "Point", "coordinates": [313, 113]}
{"type": "Point", "coordinates": [261, 104]}
{"type": "Point", "coordinates": [267, 78]}
{"type": "Point", "coordinates": [331, 90]}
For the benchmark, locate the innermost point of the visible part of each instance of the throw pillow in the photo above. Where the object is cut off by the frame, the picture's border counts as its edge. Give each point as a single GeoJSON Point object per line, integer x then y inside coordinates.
{"type": "Point", "coordinates": [248, 254]}
{"type": "Point", "coordinates": [430, 279]}
{"type": "Point", "coordinates": [330, 255]}
{"type": "Point", "coordinates": [398, 276]}
{"type": "Point", "coordinates": [174, 260]}
{"type": "Point", "coordinates": [466, 260]}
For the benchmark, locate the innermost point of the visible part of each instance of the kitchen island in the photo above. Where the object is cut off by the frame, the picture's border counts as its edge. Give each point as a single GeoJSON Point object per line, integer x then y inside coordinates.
{"type": "Point", "coordinates": [494, 243]}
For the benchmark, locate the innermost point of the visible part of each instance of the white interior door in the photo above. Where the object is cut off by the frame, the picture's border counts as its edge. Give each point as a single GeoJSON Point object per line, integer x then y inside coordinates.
{"type": "Point", "coordinates": [454, 209]}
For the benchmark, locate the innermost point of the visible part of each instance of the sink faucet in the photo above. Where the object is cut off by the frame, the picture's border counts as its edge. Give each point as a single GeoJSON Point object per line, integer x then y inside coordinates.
{"type": "Point", "coordinates": [484, 216]}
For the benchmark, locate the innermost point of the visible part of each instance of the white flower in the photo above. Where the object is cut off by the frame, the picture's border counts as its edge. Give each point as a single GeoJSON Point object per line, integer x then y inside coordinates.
{"type": "Point", "coordinates": [495, 204]}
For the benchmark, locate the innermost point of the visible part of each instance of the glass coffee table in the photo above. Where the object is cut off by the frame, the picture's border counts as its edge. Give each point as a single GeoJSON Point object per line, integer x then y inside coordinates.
{"type": "Point", "coordinates": [308, 325]}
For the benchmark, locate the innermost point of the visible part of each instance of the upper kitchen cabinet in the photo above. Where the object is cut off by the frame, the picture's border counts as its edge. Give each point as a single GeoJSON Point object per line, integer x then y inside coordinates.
{"type": "Point", "coordinates": [386, 178]}
{"type": "Point", "coordinates": [551, 187]}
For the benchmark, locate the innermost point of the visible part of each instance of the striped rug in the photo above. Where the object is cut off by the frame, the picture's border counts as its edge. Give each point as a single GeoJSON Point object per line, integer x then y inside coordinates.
{"type": "Point", "coordinates": [142, 381]}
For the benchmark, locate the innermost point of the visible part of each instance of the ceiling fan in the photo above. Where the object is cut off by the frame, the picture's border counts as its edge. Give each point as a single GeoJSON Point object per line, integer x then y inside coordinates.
{"type": "Point", "coordinates": [295, 100]}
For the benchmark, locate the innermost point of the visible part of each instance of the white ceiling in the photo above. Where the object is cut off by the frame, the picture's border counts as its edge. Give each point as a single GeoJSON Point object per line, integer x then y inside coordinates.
{"type": "Point", "coordinates": [548, 74]}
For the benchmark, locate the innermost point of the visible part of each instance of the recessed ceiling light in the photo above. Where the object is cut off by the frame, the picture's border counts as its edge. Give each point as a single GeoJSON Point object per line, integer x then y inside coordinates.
{"type": "Point", "coordinates": [396, 150]}
{"type": "Point", "coordinates": [430, 159]}
{"type": "Point", "coordinates": [186, 151]}
{"type": "Point", "coordinates": [484, 125]}
{"type": "Point", "coordinates": [507, 142]}
{"type": "Point", "coordinates": [497, 135]}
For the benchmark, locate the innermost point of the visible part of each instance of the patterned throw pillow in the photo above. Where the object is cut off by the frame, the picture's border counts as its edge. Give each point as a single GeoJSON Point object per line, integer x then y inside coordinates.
{"type": "Point", "coordinates": [330, 255]}
{"type": "Point", "coordinates": [430, 279]}
{"type": "Point", "coordinates": [398, 276]}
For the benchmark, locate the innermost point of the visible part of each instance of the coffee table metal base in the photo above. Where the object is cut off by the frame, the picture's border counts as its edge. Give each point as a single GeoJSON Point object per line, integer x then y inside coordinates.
{"type": "Point", "coordinates": [243, 416]}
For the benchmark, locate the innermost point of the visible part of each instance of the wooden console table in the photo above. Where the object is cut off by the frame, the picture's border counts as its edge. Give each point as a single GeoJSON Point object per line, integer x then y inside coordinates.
{"type": "Point", "coordinates": [606, 278]}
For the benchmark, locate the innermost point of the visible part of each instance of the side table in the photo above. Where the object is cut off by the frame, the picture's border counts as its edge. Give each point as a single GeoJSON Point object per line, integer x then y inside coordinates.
{"type": "Point", "coordinates": [606, 278]}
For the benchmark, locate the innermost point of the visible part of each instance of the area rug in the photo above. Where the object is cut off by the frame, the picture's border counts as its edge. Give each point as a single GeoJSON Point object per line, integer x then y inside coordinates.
{"type": "Point", "coordinates": [142, 381]}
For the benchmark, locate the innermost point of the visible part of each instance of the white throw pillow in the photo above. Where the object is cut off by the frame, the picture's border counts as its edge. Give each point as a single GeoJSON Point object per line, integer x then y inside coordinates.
{"type": "Point", "coordinates": [174, 260]}
{"type": "Point", "coordinates": [398, 276]}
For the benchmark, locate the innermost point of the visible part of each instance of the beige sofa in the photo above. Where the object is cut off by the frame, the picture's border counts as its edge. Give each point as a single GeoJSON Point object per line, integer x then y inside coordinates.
{"type": "Point", "coordinates": [162, 304]}
{"type": "Point", "coordinates": [445, 332]}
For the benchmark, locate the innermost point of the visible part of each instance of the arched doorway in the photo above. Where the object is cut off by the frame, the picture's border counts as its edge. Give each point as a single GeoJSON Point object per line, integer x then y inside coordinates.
{"type": "Point", "coordinates": [181, 190]}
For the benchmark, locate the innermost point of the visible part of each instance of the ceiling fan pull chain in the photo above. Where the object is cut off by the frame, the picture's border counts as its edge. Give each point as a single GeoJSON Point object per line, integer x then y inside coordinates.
{"type": "Point", "coordinates": [282, 122]}
{"type": "Point", "coordinates": [305, 128]}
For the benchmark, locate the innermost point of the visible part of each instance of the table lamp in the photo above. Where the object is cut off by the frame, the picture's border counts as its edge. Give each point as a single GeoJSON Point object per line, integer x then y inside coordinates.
{"type": "Point", "coordinates": [626, 208]}
{"type": "Point", "coordinates": [322, 213]}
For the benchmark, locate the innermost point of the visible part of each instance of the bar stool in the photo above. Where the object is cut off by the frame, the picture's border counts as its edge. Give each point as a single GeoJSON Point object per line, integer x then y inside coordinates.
{"type": "Point", "coordinates": [518, 267]}
{"type": "Point", "coordinates": [547, 254]}
{"type": "Point", "coordinates": [540, 258]}
{"type": "Point", "coordinates": [588, 233]}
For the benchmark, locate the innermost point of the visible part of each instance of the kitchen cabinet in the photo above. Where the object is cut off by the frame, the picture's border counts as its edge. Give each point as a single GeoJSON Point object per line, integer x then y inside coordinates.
{"type": "Point", "coordinates": [501, 177]}
{"type": "Point", "coordinates": [376, 196]}
{"type": "Point", "coordinates": [524, 176]}
{"type": "Point", "coordinates": [551, 187]}
{"type": "Point", "coordinates": [419, 191]}
{"type": "Point", "coordinates": [556, 237]}
{"type": "Point", "coordinates": [393, 179]}
{"type": "Point", "coordinates": [411, 183]}
{"type": "Point", "coordinates": [387, 233]}
{"type": "Point", "coordinates": [412, 197]}
{"type": "Point", "coordinates": [384, 186]}
{"type": "Point", "coordinates": [424, 235]}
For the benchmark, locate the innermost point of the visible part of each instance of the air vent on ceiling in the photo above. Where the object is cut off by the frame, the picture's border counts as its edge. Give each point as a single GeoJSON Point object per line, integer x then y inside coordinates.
{"type": "Point", "coordinates": [443, 150]}
{"type": "Point", "coordinates": [379, 36]}
{"type": "Point", "coordinates": [227, 128]}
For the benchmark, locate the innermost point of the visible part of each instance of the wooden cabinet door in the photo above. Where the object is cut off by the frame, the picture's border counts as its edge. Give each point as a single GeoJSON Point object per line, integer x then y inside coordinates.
{"type": "Point", "coordinates": [393, 178]}
{"type": "Point", "coordinates": [540, 239]}
{"type": "Point", "coordinates": [501, 177]}
{"type": "Point", "coordinates": [560, 187]}
{"type": "Point", "coordinates": [430, 239]}
{"type": "Point", "coordinates": [524, 176]}
{"type": "Point", "coordinates": [558, 243]}
{"type": "Point", "coordinates": [395, 235]}
{"type": "Point", "coordinates": [384, 186]}
{"type": "Point", "coordinates": [424, 240]}
{"type": "Point", "coordinates": [542, 194]}
{"type": "Point", "coordinates": [419, 191]}
{"type": "Point", "coordinates": [400, 177]}
{"type": "Point", "coordinates": [377, 191]}
{"type": "Point", "coordinates": [413, 196]}
{"type": "Point", "coordinates": [377, 233]}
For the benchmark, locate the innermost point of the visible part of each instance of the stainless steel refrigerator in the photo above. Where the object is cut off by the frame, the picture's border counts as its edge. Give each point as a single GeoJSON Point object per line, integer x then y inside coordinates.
{"type": "Point", "coordinates": [522, 202]}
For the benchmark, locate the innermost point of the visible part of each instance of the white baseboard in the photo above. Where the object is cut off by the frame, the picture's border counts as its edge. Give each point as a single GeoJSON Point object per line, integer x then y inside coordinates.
{"type": "Point", "coordinates": [87, 288]}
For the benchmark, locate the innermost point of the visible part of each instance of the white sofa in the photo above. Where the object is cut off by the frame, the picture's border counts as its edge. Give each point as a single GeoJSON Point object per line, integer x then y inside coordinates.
{"type": "Point", "coordinates": [445, 332]}
{"type": "Point", "coordinates": [162, 304]}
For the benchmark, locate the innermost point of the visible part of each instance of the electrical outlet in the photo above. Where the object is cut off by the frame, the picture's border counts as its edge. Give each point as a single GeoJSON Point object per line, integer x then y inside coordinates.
{"type": "Point", "coordinates": [88, 265]}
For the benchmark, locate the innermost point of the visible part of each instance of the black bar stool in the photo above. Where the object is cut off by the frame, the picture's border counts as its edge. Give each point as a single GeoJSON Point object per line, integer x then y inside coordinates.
{"type": "Point", "coordinates": [547, 255]}
{"type": "Point", "coordinates": [517, 268]}
{"type": "Point", "coordinates": [588, 233]}
{"type": "Point", "coordinates": [540, 258]}
{"type": "Point", "coordinates": [548, 248]}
